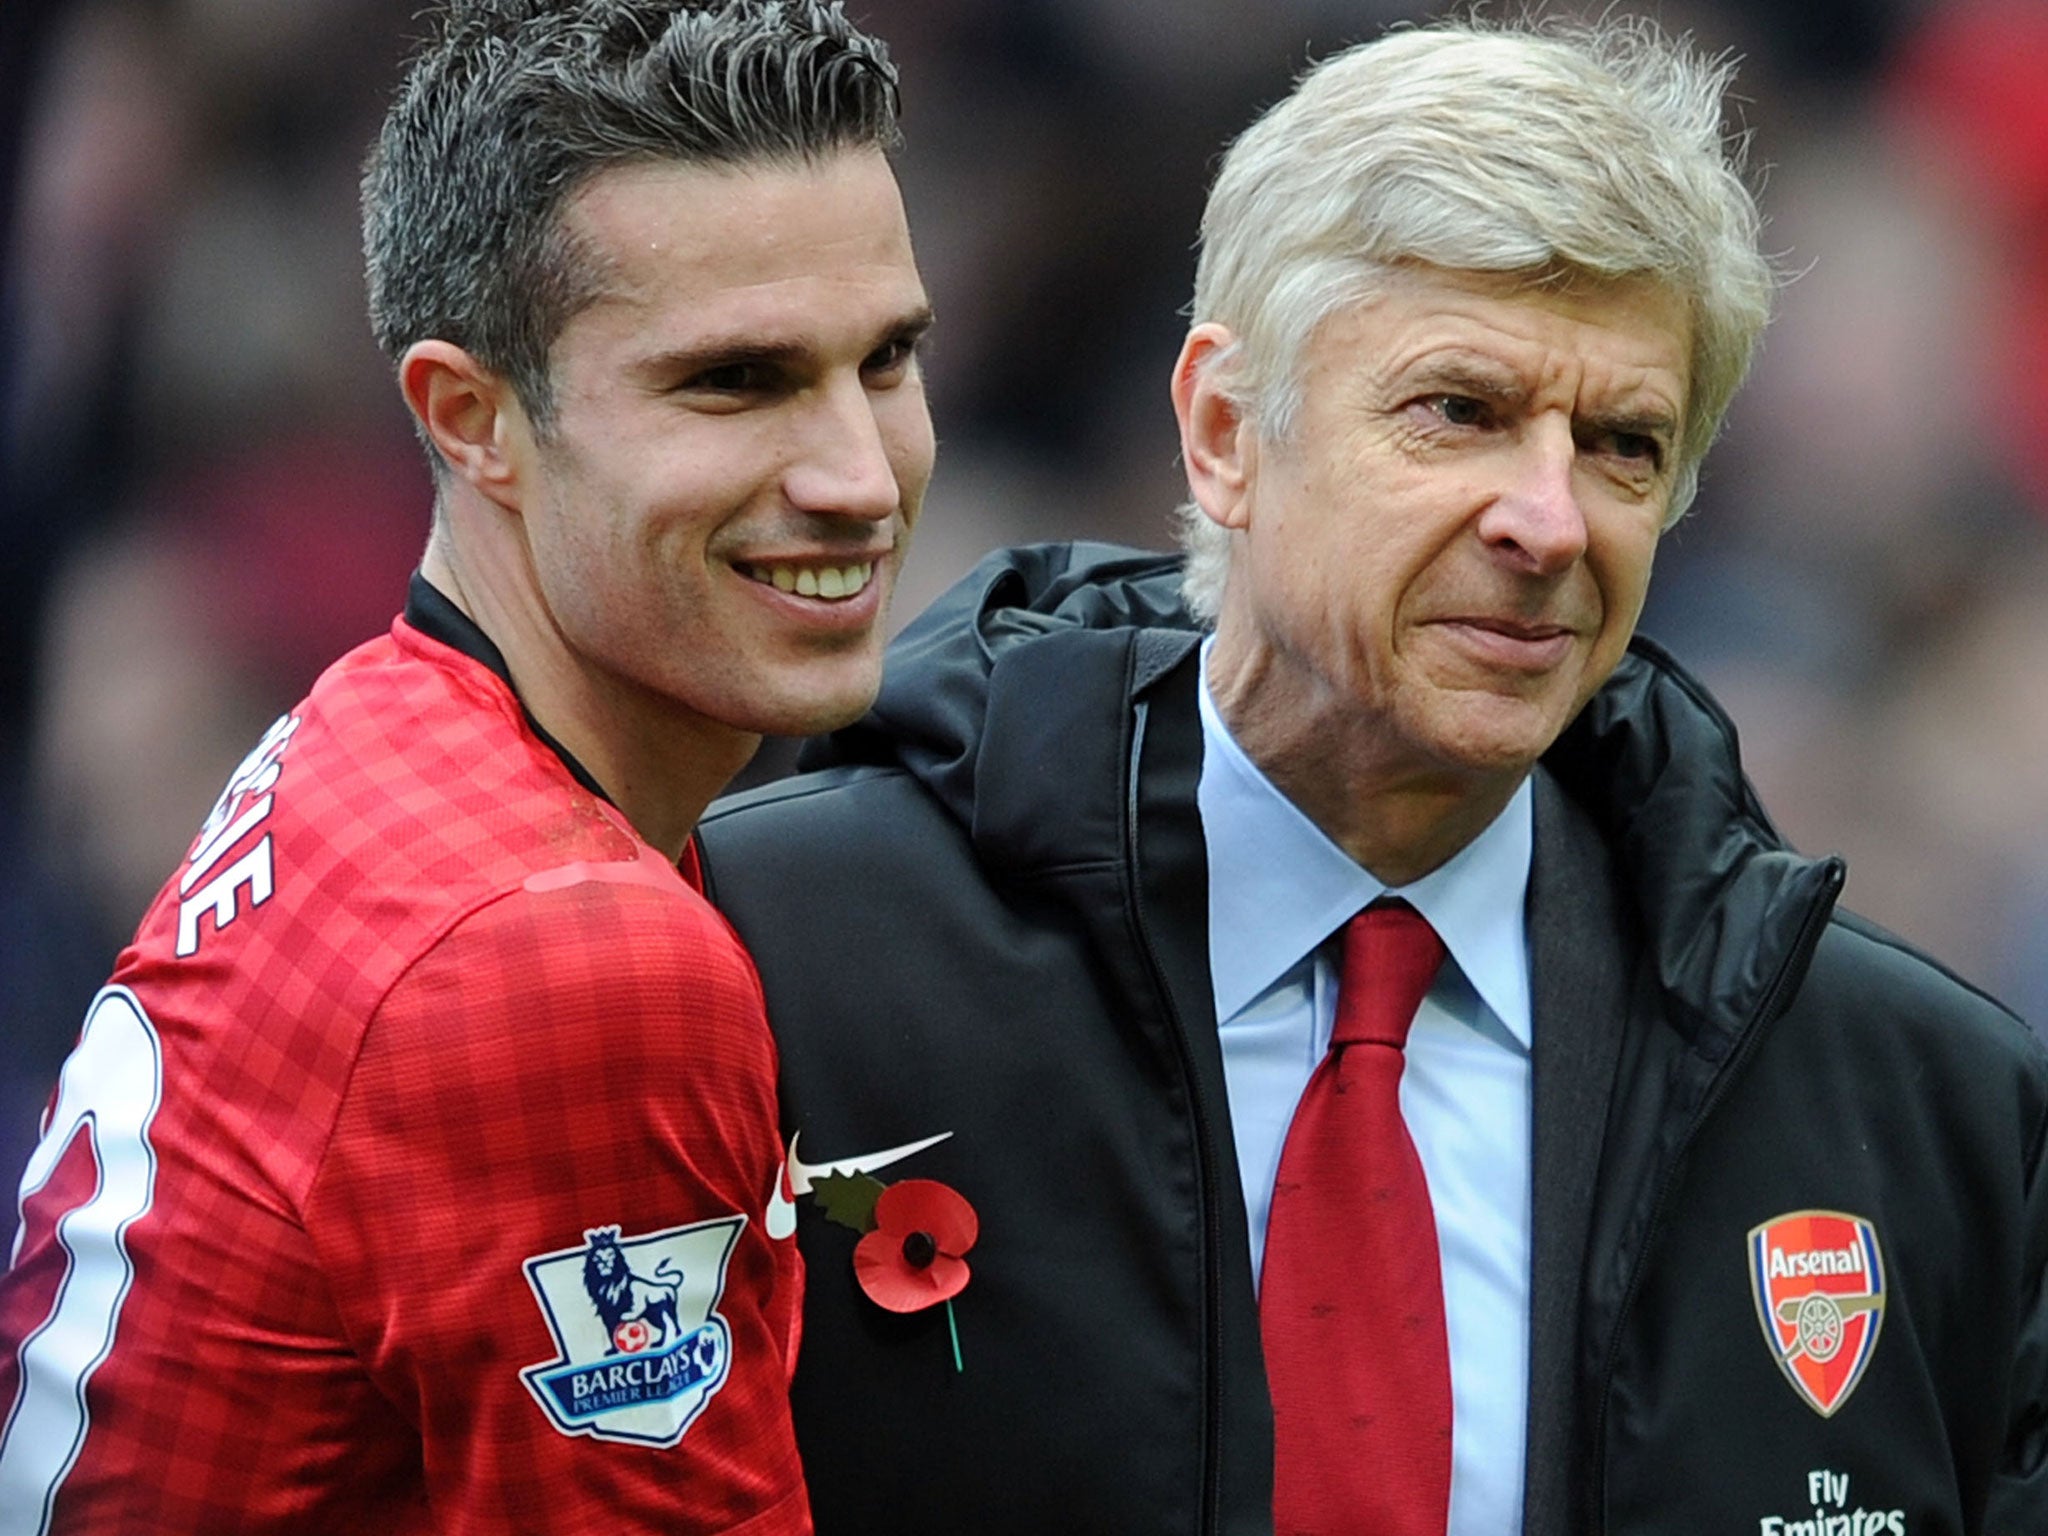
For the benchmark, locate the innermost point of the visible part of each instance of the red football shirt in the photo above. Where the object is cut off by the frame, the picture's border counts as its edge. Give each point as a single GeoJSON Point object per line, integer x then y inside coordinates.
{"type": "Point", "coordinates": [411, 1169]}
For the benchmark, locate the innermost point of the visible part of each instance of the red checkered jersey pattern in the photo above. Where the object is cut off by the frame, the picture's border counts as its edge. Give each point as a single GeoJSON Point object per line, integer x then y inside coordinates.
{"type": "Point", "coordinates": [410, 1174]}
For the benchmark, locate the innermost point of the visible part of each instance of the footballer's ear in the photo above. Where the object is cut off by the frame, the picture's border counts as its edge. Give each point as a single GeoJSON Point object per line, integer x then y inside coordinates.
{"type": "Point", "coordinates": [470, 413]}
{"type": "Point", "coordinates": [1218, 441]}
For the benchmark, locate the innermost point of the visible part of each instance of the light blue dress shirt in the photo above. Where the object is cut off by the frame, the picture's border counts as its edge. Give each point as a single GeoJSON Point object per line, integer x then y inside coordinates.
{"type": "Point", "coordinates": [1279, 892]}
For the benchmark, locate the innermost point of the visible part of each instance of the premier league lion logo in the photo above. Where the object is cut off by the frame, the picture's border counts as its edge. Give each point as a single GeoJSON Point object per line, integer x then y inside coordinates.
{"type": "Point", "coordinates": [641, 1346]}
{"type": "Point", "coordinates": [632, 1306]}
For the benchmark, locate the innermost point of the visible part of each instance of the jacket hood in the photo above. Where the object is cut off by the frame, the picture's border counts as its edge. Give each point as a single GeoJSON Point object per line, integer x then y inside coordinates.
{"type": "Point", "coordinates": [965, 668]}
{"type": "Point", "coordinates": [996, 698]}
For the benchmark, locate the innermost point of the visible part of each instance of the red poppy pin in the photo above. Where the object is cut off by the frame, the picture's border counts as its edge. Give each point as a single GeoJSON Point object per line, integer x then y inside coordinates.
{"type": "Point", "coordinates": [915, 1237]}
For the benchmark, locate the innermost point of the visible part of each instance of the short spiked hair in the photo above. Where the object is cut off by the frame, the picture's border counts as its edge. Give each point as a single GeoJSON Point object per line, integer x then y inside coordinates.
{"type": "Point", "coordinates": [513, 105]}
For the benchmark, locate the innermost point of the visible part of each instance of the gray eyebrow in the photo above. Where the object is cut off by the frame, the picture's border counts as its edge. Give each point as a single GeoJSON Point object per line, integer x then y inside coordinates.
{"type": "Point", "coordinates": [1464, 374]}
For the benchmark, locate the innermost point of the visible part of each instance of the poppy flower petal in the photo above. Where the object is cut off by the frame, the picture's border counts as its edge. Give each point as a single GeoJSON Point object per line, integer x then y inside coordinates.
{"type": "Point", "coordinates": [893, 1282]}
{"type": "Point", "coordinates": [926, 1205]}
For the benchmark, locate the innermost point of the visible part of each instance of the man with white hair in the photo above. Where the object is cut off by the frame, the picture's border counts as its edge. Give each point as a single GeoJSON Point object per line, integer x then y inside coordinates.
{"type": "Point", "coordinates": [1403, 1081]}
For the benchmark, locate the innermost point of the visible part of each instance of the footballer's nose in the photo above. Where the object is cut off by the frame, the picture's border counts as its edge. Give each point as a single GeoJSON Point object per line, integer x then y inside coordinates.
{"type": "Point", "coordinates": [845, 468]}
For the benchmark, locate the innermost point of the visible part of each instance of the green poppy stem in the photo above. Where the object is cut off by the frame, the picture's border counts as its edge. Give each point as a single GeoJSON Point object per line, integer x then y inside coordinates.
{"type": "Point", "coordinates": [953, 1328]}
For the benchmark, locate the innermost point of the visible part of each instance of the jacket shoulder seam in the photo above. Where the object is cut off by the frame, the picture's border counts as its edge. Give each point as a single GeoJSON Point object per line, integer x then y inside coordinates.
{"type": "Point", "coordinates": [1856, 926]}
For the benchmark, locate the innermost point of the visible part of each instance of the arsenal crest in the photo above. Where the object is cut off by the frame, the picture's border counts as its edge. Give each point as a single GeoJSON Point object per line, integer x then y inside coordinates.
{"type": "Point", "coordinates": [1818, 1280]}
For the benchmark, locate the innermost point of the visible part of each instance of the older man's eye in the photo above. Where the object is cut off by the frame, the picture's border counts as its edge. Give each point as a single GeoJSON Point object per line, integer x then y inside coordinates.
{"type": "Point", "coordinates": [1635, 447]}
{"type": "Point", "coordinates": [1461, 410]}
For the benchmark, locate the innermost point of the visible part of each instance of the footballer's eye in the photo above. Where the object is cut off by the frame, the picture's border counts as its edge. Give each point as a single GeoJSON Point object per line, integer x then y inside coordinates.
{"type": "Point", "coordinates": [731, 379]}
{"type": "Point", "coordinates": [890, 356]}
{"type": "Point", "coordinates": [895, 358]}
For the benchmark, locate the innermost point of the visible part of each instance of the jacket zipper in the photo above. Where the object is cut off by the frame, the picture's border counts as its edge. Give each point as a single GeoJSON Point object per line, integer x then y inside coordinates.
{"type": "Point", "coordinates": [1205, 1156]}
{"type": "Point", "coordinates": [1774, 1004]}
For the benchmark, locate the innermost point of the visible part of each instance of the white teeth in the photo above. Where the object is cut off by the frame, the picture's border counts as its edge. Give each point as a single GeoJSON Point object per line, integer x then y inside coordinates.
{"type": "Point", "coordinates": [829, 582]}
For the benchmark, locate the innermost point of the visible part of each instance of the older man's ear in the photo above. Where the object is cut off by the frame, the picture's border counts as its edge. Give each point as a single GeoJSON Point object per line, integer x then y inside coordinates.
{"type": "Point", "coordinates": [1218, 440]}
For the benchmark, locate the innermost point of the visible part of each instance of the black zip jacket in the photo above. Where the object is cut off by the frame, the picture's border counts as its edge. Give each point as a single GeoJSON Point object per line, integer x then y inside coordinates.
{"type": "Point", "coordinates": [986, 916]}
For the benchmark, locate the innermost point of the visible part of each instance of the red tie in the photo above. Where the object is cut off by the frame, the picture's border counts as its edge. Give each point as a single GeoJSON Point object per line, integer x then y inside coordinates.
{"type": "Point", "coordinates": [1351, 1304]}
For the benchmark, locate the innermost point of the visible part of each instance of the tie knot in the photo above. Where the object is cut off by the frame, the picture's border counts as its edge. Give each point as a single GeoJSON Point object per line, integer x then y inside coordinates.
{"type": "Point", "coordinates": [1391, 955]}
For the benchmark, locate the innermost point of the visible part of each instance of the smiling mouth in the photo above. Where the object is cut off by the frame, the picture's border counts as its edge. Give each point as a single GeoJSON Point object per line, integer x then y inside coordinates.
{"type": "Point", "coordinates": [832, 583]}
{"type": "Point", "coordinates": [1516, 646]}
{"type": "Point", "coordinates": [1509, 630]}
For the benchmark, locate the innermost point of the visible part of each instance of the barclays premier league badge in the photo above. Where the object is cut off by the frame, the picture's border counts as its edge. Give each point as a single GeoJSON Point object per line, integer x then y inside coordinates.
{"type": "Point", "coordinates": [1818, 1280]}
{"type": "Point", "coordinates": [641, 1350]}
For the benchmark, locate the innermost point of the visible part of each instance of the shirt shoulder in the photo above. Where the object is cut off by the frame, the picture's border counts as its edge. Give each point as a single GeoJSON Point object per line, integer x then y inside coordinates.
{"type": "Point", "coordinates": [613, 960]}
{"type": "Point", "coordinates": [404, 793]}
{"type": "Point", "coordinates": [578, 1071]}
{"type": "Point", "coordinates": [415, 1009]}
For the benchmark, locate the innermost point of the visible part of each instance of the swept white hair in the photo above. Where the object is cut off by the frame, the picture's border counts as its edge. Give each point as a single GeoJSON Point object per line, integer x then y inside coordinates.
{"type": "Point", "coordinates": [1548, 150]}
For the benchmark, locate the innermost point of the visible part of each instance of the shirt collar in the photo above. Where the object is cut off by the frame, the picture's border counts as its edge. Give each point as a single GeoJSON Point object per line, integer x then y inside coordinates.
{"type": "Point", "coordinates": [1279, 887]}
{"type": "Point", "coordinates": [433, 613]}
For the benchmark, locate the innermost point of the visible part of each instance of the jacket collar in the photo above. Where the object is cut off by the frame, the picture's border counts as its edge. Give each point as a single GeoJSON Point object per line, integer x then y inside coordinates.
{"type": "Point", "coordinates": [997, 698]}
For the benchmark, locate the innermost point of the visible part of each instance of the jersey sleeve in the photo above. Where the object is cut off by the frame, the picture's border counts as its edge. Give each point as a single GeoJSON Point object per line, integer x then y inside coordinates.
{"type": "Point", "coordinates": [542, 1215]}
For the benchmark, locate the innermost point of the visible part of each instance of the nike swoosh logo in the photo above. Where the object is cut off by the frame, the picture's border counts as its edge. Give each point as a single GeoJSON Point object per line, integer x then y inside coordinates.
{"type": "Point", "coordinates": [797, 1177]}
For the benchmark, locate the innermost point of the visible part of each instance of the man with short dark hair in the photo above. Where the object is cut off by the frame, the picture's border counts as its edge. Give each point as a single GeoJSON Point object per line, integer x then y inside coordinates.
{"type": "Point", "coordinates": [1402, 1082]}
{"type": "Point", "coordinates": [411, 1172]}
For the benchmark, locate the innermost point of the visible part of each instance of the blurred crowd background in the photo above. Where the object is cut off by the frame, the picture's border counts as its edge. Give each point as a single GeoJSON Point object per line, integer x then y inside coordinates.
{"type": "Point", "coordinates": [208, 488]}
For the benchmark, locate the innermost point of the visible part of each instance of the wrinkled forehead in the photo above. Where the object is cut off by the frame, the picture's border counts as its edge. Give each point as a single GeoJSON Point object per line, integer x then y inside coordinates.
{"type": "Point", "coordinates": [1636, 328]}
